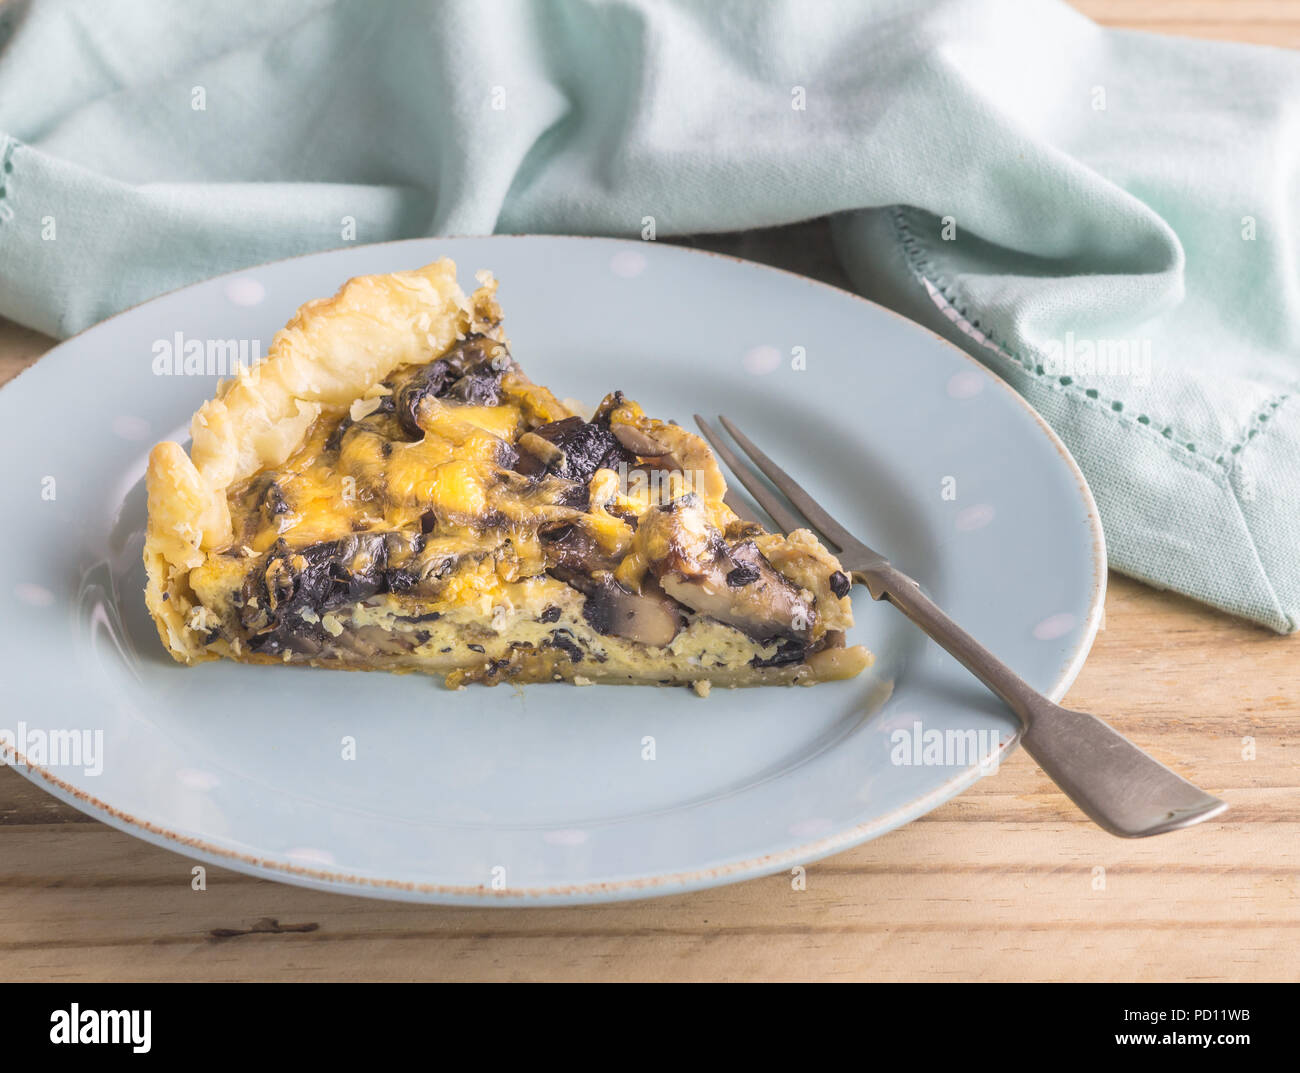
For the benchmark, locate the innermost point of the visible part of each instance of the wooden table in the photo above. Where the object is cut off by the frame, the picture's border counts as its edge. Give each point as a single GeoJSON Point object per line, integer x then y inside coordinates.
{"type": "Point", "coordinates": [1007, 882]}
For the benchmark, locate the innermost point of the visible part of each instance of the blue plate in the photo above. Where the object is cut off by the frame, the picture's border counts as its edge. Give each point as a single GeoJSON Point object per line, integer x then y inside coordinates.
{"type": "Point", "coordinates": [390, 785]}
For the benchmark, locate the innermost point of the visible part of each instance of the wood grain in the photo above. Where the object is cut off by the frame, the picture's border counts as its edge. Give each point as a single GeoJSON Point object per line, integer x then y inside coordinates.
{"type": "Point", "coordinates": [1259, 22]}
{"type": "Point", "coordinates": [1007, 882]}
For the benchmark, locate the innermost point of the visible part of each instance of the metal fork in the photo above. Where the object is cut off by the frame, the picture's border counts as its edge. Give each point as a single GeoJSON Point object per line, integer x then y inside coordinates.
{"type": "Point", "coordinates": [1120, 787]}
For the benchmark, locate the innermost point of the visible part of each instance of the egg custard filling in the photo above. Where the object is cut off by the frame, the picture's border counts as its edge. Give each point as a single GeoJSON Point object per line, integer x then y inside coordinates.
{"type": "Point", "coordinates": [387, 490]}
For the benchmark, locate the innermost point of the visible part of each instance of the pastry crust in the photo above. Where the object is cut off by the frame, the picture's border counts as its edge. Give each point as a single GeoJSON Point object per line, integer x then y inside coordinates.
{"type": "Point", "coordinates": [332, 352]}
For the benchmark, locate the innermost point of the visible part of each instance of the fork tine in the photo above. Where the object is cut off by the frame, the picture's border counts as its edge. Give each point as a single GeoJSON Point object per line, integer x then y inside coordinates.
{"type": "Point", "coordinates": [739, 508]}
{"type": "Point", "coordinates": [829, 526]}
{"type": "Point", "coordinates": [785, 520]}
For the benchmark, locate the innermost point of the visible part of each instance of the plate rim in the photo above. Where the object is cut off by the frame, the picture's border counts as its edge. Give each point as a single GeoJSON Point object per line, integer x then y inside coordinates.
{"type": "Point", "coordinates": [606, 890]}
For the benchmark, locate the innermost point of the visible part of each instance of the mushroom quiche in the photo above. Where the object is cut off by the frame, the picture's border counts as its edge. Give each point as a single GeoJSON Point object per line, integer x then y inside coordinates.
{"type": "Point", "coordinates": [387, 490]}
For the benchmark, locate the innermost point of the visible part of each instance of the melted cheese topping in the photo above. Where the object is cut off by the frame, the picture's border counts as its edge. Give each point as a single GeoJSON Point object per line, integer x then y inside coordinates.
{"type": "Point", "coordinates": [456, 486]}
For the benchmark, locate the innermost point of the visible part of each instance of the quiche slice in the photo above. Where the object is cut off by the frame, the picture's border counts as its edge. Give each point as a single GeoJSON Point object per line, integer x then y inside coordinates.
{"type": "Point", "coordinates": [387, 490]}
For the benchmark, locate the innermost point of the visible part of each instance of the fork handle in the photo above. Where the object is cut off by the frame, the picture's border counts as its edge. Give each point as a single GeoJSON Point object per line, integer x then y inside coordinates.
{"type": "Point", "coordinates": [1121, 788]}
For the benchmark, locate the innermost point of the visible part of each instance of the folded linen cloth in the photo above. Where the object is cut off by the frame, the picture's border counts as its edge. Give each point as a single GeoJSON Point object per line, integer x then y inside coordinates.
{"type": "Point", "coordinates": [1107, 219]}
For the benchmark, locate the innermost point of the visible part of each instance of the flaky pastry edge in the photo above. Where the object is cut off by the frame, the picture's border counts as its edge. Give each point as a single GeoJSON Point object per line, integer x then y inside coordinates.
{"type": "Point", "coordinates": [330, 353]}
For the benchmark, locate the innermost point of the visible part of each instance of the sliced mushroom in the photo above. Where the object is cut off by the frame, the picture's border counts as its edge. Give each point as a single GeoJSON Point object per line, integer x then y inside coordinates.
{"type": "Point", "coordinates": [666, 445]}
{"type": "Point", "coordinates": [764, 610]}
{"type": "Point", "coordinates": [640, 442]}
{"type": "Point", "coordinates": [648, 617]}
{"type": "Point", "coordinates": [482, 387]}
{"type": "Point", "coordinates": [572, 554]}
{"type": "Point", "coordinates": [576, 449]}
{"type": "Point", "coordinates": [470, 372]}
{"type": "Point", "coordinates": [735, 585]}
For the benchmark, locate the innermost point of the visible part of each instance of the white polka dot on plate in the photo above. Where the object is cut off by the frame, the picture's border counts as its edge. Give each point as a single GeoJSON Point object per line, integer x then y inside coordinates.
{"type": "Point", "coordinates": [965, 385]}
{"type": "Point", "coordinates": [811, 828]}
{"type": "Point", "coordinates": [35, 595]}
{"type": "Point", "coordinates": [1055, 626]}
{"type": "Point", "coordinates": [245, 291]}
{"type": "Point", "coordinates": [565, 838]}
{"type": "Point", "coordinates": [762, 360]}
{"type": "Point", "coordinates": [194, 779]}
{"type": "Point", "coordinates": [627, 263]}
{"type": "Point", "coordinates": [899, 721]}
{"type": "Point", "coordinates": [976, 517]}
{"type": "Point", "coordinates": [131, 428]}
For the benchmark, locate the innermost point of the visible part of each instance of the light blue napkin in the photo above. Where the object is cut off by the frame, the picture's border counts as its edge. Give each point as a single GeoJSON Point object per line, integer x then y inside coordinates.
{"type": "Point", "coordinates": [1107, 219]}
